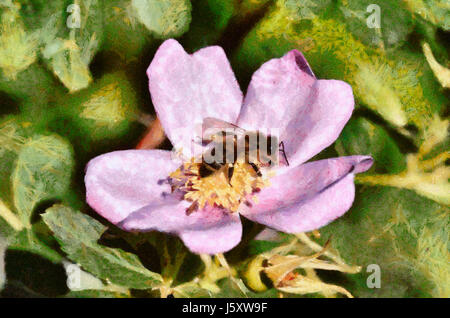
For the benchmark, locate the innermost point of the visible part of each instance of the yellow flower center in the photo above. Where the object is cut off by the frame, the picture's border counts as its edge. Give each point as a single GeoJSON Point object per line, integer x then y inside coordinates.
{"type": "Point", "coordinates": [217, 189]}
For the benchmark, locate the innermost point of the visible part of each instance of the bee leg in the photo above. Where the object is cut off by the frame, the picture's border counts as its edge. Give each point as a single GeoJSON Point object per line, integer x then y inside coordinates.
{"type": "Point", "coordinates": [201, 141]}
{"type": "Point", "coordinates": [256, 168]}
{"type": "Point", "coordinates": [281, 145]}
{"type": "Point", "coordinates": [163, 181]}
{"type": "Point", "coordinates": [192, 208]}
{"type": "Point", "coordinates": [230, 174]}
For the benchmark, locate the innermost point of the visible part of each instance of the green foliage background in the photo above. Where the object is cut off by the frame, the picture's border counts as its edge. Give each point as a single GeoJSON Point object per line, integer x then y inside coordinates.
{"type": "Point", "coordinates": [67, 95]}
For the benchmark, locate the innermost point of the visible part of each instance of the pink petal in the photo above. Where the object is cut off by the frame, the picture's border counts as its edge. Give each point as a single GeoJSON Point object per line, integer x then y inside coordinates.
{"type": "Point", "coordinates": [308, 196]}
{"type": "Point", "coordinates": [320, 122]}
{"type": "Point", "coordinates": [278, 89]}
{"type": "Point", "coordinates": [207, 231]}
{"type": "Point", "coordinates": [302, 63]}
{"type": "Point", "coordinates": [121, 182]}
{"type": "Point", "coordinates": [187, 88]}
{"type": "Point", "coordinates": [309, 114]}
{"type": "Point", "coordinates": [268, 234]}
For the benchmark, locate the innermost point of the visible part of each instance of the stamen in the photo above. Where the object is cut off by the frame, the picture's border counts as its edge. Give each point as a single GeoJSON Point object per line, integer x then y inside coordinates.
{"type": "Point", "coordinates": [215, 189]}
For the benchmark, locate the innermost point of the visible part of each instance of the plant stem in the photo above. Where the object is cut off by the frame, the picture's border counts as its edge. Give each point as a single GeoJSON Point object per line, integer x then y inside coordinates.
{"type": "Point", "coordinates": [10, 217]}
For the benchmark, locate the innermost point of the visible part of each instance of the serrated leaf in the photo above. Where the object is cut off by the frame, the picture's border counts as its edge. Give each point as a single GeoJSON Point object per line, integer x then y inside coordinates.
{"type": "Point", "coordinates": [164, 19]}
{"type": "Point", "coordinates": [12, 139]}
{"type": "Point", "coordinates": [396, 230]}
{"type": "Point", "coordinates": [108, 108]}
{"type": "Point", "coordinates": [36, 12]}
{"type": "Point", "coordinates": [308, 9]}
{"type": "Point", "coordinates": [43, 171]}
{"type": "Point", "coordinates": [18, 46]}
{"type": "Point", "coordinates": [71, 44]}
{"type": "Point", "coordinates": [191, 290]}
{"type": "Point", "coordinates": [123, 34]}
{"type": "Point", "coordinates": [78, 234]}
{"type": "Point", "coordinates": [435, 11]}
{"type": "Point", "coordinates": [362, 137]}
{"type": "Point", "coordinates": [391, 85]}
{"type": "Point", "coordinates": [27, 240]}
{"type": "Point", "coordinates": [100, 115]}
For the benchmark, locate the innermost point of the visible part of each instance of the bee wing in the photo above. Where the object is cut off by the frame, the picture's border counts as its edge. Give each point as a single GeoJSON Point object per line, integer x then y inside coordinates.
{"type": "Point", "coordinates": [212, 126]}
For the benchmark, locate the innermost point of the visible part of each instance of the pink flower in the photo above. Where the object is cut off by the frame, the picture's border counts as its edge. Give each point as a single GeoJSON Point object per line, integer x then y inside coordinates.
{"type": "Point", "coordinates": [132, 188]}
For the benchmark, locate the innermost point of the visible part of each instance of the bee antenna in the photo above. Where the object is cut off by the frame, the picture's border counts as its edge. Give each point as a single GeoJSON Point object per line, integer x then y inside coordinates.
{"type": "Point", "coordinates": [284, 152]}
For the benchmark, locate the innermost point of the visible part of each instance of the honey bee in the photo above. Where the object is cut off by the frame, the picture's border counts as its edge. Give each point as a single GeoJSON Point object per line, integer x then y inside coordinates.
{"type": "Point", "coordinates": [228, 144]}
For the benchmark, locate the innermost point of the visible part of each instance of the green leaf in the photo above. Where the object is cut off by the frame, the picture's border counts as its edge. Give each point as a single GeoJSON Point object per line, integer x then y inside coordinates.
{"type": "Point", "coordinates": [78, 234]}
{"type": "Point", "coordinates": [107, 109]}
{"type": "Point", "coordinates": [31, 90]}
{"type": "Point", "coordinates": [362, 137]}
{"type": "Point", "coordinates": [92, 293]}
{"type": "Point", "coordinates": [164, 19]}
{"type": "Point", "coordinates": [389, 84]}
{"type": "Point", "coordinates": [101, 115]}
{"type": "Point", "coordinates": [123, 34]}
{"type": "Point", "coordinates": [209, 20]}
{"type": "Point", "coordinates": [6, 230]}
{"type": "Point", "coordinates": [229, 289]}
{"type": "Point", "coordinates": [18, 46]}
{"type": "Point", "coordinates": [436, 12]}
{"type": "Point", "coordinates": [405, 234]}
{"type": "Point", "coordinates": [191, 290]}
{"type": "Point", "coordinates": [11, 141]}
{"type": "Point", "coordinates": [258, 247]}
{"type": "Point", "coordinates": [419, 92]}
{"type": "Point", "coordinates": [43, 171]}
{"type": "Point", "coordinates": [27, 240]}
{"type": "Point", "coordinates": [11, 136]}
{"type": "Point", "coordinates": [36, 13]}
{"type": "Point", "coordinates": [70, 43]}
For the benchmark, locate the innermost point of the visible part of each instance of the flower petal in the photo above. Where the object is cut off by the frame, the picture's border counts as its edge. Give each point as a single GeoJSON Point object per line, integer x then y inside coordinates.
{"type": "Point", "coordinates": [302, 63]}
{"type": "Point", "coordinates": [320, 122]}
{"type": "Point", "coordinates": [187, 88]}
{"type": "Point", "coordinates": [207, 231]}
{"type": "Point", "coordinates": [278, 89]}
{"type": "Point", "coordinates": [308, 196]}
{"type": "Point", "coordinates": [121, 182]}
{"type": "Point", "coordinates": [308, 113]}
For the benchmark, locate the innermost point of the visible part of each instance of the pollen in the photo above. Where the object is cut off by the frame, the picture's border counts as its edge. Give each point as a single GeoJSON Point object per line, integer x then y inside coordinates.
{"type": "Point", "coordinates": [217, 189]}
